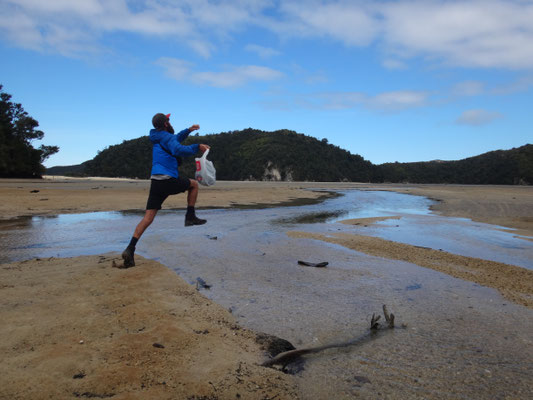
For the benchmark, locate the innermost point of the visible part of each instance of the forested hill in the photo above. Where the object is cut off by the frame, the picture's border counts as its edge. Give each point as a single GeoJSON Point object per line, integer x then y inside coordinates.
{"type": "Point", "coordinates": [286, 155]}
{"type": "Point", "coordinates": [239, 155]}
{"type": "Point", "coordinates": [501, 167]}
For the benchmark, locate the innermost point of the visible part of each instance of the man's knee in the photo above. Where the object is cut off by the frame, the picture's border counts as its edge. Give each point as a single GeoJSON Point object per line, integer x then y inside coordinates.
{"type": "Point", "coordinates": [194, 184]}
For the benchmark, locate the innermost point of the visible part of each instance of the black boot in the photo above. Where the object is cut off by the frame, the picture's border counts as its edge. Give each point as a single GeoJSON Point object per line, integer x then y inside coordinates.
{"type": "Point", "coordinates": [191, 220]}
{"type": "Point", "coordinates": [127, 256]}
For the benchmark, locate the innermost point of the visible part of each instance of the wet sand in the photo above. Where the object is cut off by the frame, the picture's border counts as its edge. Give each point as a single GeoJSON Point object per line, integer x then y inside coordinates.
{"type": "Point", "coordinates": [49, 306]}
{"type": "Point", "coordinates": [508, 206]}
{"type": "Point", "coordinates": [78, 328]}
{"type": "Point", "coordinates": [67, 195]}
{"type": "Point", "coordinates": [513, 282]}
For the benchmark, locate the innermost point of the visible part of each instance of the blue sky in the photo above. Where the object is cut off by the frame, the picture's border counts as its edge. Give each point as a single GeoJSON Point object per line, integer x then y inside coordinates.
{"type": "Point", "coordinates": [389, 80]}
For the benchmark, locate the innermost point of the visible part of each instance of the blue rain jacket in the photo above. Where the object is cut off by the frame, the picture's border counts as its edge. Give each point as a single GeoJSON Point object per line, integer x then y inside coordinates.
{"type": "Point", "coordinates": [166, 148]}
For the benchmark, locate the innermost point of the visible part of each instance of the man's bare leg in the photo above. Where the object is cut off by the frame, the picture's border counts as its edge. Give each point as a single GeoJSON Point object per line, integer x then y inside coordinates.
{"type": "Point", "coordinates": [192, 193]}
{"type": "Point", "coordinates": [147, 220]}
{"type": "Point", "coordinates": [127, 255]}
{"type": "Point", "coordinates": [192, 196]}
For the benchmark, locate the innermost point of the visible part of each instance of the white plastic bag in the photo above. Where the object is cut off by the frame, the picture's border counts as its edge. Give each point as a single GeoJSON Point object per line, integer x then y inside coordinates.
{"type": "Point", "coordinates": [205, 170]}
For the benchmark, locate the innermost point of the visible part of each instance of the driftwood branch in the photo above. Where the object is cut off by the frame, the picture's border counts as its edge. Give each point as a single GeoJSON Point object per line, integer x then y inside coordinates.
{"type": "Point", "coordinates": [374, 324]}
{"type": "Point", "coordinates": [316, 265]}
{"type": "Point", "coordinates": [288, 357]}
{"type": "Point", "coordinates": [388, 317]}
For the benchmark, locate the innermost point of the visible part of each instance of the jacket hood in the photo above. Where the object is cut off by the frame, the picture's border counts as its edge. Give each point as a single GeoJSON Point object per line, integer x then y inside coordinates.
{"type": "Point", "coordinates": [156, 135]}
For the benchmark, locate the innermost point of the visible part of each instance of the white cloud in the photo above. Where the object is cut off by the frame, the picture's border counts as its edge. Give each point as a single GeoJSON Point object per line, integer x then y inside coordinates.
{"type": "Point", "coordinates": [468, 33]}
{"type": "Point", "coordinates": [80, 7]}
{"type": "Point", "coordinates": [520, 85]}
{"type": "Point", "coordinates": [174, 68]}
{"type": "Point", "coordinates": [237, 76]}
{"type": "Point", "coordinates": [398, 100]}
{"type": "Point", "coordinates": [468, 88]}
{"type": "Point", "coordinates": [350, 22]}
{"type": "Point", "coordinates": [386, 101]}
{"type": "Point", "coordinates": [261, 51]}
{"type": "Point", "coordinates": [20, 29]}
{"type": "Point", "coordinates": [477, 117]}
{"type": "Point", "coordinates": [201, 47]}
{"type": "Point", "coordinates": [488, 33]}
{"type": "Point", "coordinates": [390, 63]}
{"type": "Point", "coordinates": [474, 33]}
{"type": "Point", "coordinates": [192, 22]}
{"type": "Point", "coordinates": [307, 76]}
{"type": "Point", "coordinates": [232, 77]}
{"type": "Point", "coordinates": [332, 100]}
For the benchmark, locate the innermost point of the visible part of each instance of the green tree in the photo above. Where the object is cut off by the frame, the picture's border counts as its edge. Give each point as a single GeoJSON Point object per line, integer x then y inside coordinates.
{"type": "Point", "coordinates": [18, 158]}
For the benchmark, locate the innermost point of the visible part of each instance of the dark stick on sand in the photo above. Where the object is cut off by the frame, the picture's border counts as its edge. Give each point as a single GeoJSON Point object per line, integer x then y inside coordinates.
{"type": "Point", "coordinates": [288, 357]}
{"type": "Point", "coordinates": [316, 265]}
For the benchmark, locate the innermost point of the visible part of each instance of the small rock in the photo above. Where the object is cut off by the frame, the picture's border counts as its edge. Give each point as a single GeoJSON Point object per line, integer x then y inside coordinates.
{"type": "Point", "coordinates": [200, 283]}
{"type": "Point", "coordinates": [361, 379]}
{"type": "Point", "coordinates": [81, 342]}
{"type": "Point", "coordinates": [158, 345]}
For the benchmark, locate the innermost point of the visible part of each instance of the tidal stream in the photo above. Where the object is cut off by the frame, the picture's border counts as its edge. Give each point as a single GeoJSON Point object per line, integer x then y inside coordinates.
{"type": "Point", "coordinates": [461, 340]}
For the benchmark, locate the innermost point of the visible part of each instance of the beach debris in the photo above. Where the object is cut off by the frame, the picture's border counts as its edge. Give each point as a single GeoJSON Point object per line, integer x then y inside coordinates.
{"type": "Point", "coordinates": [315, 265]}
{"type": "Point", "coordinates": [361, 380]}
{"type": "Point", "coordinates": [81, 342]}
{"type": "Point", "coordinates": [34, 191]}
{"type": "Point", "coordinates": [374, 324]}
{"type": "Point", "coordinates": [79, 375]}
{"type": "Point", "coordinates": [212, 237]}
{"type": "Point", "coordinates": [93, 395]}
{"type": "Point", "coordinates": [200, 283]}
{"type": "Point", "coordinates": [291, 356]}
{"type": "Point", "coordinates": [389, 317]}
{"type": "Point", "coordinates": [158, 345]}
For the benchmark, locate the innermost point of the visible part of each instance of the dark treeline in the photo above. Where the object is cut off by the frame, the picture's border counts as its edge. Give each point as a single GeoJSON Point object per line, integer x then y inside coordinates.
{"type": "Point", "coordinates": [18, 158]}
{"type": "Point", "coordinates": [286, 155]}
{"type": "Point", "coordinates": [501, 167]}
{"type": "Point", "coordinates": [240, 155]}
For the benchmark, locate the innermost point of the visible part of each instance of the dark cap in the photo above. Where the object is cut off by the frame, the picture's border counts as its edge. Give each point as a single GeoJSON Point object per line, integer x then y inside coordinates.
{"type": "Point", "coordinates": [159, 120]}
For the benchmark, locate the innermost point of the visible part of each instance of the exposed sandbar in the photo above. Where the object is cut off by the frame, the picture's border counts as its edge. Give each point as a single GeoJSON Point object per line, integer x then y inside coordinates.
{"type": "Point", "coordinates": [77, 327]}
{"type": "Point", "coordinates": [513, 282]}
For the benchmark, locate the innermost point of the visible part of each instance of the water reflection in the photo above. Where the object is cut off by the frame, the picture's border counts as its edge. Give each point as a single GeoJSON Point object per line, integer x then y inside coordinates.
{"type": "Point", "coordinates": [91, 233]}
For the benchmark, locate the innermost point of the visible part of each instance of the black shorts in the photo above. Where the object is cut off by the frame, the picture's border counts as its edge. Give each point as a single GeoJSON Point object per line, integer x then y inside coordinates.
{"type": "Point", "coordinates": [160, 190]}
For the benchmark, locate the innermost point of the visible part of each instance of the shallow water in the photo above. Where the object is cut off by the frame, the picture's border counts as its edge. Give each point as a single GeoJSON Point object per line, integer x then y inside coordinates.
{"type": "Point", "coordinates": [461, 341]}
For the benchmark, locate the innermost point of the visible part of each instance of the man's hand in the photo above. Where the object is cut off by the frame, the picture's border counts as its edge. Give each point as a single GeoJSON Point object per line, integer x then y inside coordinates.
{"type": "Point", "coordinates": [194, 128]}
{"type": "Point", "coordinates": [203, 147]}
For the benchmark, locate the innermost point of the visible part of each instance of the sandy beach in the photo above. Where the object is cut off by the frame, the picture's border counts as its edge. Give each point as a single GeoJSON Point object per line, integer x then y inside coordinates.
{"type": "Point", "coordinates": [508, 206]}
{"type": "Point", "coordinates": [78, 327]}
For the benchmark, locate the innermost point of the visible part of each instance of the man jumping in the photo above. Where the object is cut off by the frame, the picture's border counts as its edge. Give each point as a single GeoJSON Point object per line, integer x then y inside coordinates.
{"type": "Point", "coordinates": [165, 177]}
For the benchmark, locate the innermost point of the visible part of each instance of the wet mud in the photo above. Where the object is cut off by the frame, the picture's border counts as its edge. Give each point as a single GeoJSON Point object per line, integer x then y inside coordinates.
{"type": "Point", "coordinates": [462, 339]}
